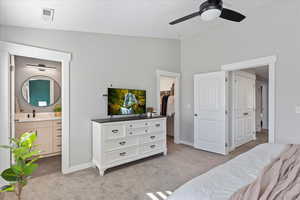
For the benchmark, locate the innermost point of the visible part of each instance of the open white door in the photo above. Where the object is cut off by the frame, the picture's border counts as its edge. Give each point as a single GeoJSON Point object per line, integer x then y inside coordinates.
{"type": "Point", "coordinates": [4, 110]}
{"type": "Point", "coordinates": [210, 120]}
{"type": "Point", "coordinates": [244, 129]}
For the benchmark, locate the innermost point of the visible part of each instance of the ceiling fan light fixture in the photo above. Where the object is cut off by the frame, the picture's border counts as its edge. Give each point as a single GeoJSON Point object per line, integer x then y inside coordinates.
{"type": "Point", "coordinates": [211, 14]}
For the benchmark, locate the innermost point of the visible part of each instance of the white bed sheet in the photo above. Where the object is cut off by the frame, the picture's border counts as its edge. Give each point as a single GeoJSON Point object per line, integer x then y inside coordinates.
{"type": "Point", "coordinates": [221, 182]}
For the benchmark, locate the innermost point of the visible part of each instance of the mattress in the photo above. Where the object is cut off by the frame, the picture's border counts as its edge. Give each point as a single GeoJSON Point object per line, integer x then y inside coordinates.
{"type": "Point", "coordinates": [221, 182]}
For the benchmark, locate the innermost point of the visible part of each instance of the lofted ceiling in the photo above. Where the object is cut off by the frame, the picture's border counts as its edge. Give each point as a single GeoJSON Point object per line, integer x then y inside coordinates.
{"type": "Point", "coordinates": [148, 18]}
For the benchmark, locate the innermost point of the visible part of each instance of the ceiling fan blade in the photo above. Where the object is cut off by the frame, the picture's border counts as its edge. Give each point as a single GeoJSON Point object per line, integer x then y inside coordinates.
{"type": "Point", "coordinates": [195, 14]}
{"type": "Point", "coordinates": [232, 15]}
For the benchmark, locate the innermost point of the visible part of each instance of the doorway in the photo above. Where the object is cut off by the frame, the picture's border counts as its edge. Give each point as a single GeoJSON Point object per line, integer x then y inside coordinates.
{"type": "Point", "coordinates": [8, 51]}
{"type": "Point", "coordinates": [168, 102]}
{"type": "Point", "coordinates": [212, 111]}
{"type": "Point", "coordinates": [263, 110]}
{"type": "Point", "coordinates": [36, 107]}
{"type": "Point", "coordinates": [248, 106]}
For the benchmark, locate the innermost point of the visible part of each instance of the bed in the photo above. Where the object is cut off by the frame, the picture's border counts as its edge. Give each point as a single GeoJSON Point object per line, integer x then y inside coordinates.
{"type": "Point", "coordinates": [223, 181]}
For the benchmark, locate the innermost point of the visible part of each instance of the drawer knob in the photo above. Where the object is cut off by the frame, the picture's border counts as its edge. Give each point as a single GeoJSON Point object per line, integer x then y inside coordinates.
{"type": "Point", "coordinates": [130, 133]}
{"type": "Point", "coordinates": [146, 124]}
{"type": "Point", "coordinates": [146, 131]}
{"type": "Point", "coordinates": [157, 125]}
{"type": "Point", "coordinates": [123, 154]}
{"type": "Point", "coordinates": [152, 137]}
{"type": "Point", "coordinates": [130, 125]}
{"type": "Point", "coordinates": [122, 143]}
{"type": "Point", "coordinates": [153, 146]}
{"type": "Point", "coordinates": [115, 131]}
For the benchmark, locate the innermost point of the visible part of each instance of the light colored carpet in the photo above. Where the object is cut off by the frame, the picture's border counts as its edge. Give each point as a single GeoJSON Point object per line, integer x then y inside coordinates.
{"type": "Point", "coordinates": [135, 181]}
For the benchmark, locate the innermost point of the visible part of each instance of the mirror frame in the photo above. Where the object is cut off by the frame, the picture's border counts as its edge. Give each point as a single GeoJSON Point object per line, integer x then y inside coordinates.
{"type": "Point", "coordinates": [55, 101]}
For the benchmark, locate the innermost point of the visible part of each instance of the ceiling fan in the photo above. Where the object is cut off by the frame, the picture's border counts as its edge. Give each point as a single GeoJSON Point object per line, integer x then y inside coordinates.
{"type": "Point", "coordinates": [212, 9]}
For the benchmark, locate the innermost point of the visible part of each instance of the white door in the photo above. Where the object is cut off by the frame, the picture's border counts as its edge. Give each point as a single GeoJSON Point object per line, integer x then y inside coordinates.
{"type": "Point", "coordinates": [4, 110]}
{"type": "Point", "coordinates": [243, 108]}
{"type": "Point", "coordinates": [210, 120]}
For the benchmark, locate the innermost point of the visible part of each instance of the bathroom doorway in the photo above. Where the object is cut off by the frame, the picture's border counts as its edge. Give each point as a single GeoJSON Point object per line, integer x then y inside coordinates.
{"type": "Point", "coordinates": [36, 107]}
{"type": "Point", "coordinates": [31, 111]}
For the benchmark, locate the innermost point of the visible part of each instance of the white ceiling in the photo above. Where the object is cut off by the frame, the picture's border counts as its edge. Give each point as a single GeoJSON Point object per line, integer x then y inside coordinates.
{"type": "Point", "coordinates": [147, 18]}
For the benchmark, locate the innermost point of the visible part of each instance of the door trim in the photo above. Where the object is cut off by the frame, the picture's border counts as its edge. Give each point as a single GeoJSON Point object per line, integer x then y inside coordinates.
{"type": "Point", "coordinates": [175, 75]}
{"type": "Point", "coordinates": [53, 55]}
{"type": "Point", "coordinates": [270, 61]}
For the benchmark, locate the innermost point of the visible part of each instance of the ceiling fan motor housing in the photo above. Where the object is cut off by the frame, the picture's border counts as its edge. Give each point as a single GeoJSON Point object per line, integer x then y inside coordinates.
{"type": "Point", "coordinates": [211, 4]}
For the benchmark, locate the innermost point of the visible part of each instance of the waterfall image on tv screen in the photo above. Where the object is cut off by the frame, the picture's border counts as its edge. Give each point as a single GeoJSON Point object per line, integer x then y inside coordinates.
{"type": "Point", "coordinates": [126, 101]}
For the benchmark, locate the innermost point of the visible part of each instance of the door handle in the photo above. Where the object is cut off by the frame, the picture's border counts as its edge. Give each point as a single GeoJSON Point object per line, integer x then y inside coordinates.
{"type": "Point", "coordinates": [246, 114]}
{"type": "Point", "coordinates": [196, 115]}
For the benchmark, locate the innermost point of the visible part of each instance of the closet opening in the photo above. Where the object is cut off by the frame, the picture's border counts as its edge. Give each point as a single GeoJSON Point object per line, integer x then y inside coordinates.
{"type": "Point", "coordinates": [168, 103]}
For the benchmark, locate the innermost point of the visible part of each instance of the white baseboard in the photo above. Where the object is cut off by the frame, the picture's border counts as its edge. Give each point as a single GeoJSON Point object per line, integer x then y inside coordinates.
{"type": "Point", "coordinates": [78, 168]}
{"type": "Point", "coordinates": [186, 143]}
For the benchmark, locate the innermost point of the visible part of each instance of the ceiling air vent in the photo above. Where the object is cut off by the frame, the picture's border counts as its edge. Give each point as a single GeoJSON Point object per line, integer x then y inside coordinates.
{"type": "Point", "coordinates": [48, 14]}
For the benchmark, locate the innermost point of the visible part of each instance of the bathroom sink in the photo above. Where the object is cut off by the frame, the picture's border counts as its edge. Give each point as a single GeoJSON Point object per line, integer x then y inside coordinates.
{"type": "Point", "coordinates": [23, 117]}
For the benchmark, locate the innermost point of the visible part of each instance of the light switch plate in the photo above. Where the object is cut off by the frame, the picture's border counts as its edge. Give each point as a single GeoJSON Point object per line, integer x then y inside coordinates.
{"type": "Point", "coordinates": [297, 109]}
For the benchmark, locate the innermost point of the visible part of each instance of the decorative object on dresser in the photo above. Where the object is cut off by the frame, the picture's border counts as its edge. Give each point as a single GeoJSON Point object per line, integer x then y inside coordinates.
{"type": "Point", "coordinates": [117, 141]}
{"type": "Point", "coordinates": [150, 111]}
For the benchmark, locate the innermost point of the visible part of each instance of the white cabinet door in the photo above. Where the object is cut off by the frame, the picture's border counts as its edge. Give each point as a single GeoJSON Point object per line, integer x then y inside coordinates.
{"type": "Point", "coordinates": [210, 120]}
{"type": "Point", "coordinates": [44, 139]}
{"type": "Point", "coordinates": [243, 108]}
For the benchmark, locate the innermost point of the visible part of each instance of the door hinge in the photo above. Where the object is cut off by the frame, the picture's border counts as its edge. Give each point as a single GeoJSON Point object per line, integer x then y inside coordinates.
{"type": "Point", "coordinates": [226, 112]}
{"type": "Point", "coordinates": [226, 79]}
{"type": "Point", "coordinates": [226, 144]}
{"type": "Point", "coordinates": [11, 67]}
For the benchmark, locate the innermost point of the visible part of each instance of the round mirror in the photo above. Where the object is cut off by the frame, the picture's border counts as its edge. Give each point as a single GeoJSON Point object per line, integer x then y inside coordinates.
{"type": "Point", "coordinates": [41, 91]}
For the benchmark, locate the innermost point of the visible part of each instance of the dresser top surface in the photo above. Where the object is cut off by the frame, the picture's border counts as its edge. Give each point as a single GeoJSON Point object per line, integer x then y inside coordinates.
{"type": "Point", "coordinates": [122, 119]}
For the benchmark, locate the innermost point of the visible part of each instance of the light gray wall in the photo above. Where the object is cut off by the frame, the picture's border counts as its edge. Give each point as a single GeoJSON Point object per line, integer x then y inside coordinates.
{"type": "Point", "coordinates": [271, 30]}
{"type": "Point", "coordinates": [22, 73]}
{"type": "Point", "coordinates": [99, 60]}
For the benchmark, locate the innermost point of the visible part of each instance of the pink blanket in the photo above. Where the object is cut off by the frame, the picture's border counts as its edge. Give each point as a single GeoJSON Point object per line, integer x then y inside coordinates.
{"type": "Point", "coordinates": [280, 180]}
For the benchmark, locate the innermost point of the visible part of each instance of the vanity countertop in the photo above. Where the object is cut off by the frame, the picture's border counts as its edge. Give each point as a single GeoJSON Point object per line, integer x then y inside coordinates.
{"type": "Point", "coordinates": [23, 117]}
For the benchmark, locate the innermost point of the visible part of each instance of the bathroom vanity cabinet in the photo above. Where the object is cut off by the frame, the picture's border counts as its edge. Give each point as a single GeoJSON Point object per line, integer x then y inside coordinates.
{"type": "Point", "coordinates": [48, 135]}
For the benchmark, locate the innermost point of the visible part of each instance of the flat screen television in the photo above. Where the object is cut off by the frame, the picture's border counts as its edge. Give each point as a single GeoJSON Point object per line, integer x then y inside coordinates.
{"type": "Point", "coordinates": [126, 101]}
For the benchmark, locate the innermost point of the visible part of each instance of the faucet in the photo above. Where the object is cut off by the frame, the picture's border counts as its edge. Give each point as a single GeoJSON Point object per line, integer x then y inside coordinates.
{"type": "Point", "coordinates": [33, 113]}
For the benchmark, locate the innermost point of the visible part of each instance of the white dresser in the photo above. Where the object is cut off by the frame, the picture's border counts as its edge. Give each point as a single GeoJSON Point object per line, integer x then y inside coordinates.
{"type": "Point", "coordinates": [117, 141]}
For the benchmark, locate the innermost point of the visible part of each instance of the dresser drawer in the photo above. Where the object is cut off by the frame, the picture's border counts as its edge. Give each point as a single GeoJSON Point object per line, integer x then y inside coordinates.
{"type": "Point", "coordinates": [120, 143]}
{"type": "Point", "coordinates": [114, 132]}
{"type": "Point", "coordinates": [121, 154]}
{"type": "Point", "coordinates": [141, 124]}
{"type": "Point", "coordinates": [136, 131]}
{"type": "Point", "coordinates": [152, 137]}
{"type": "Point", "coordinates": [151, 146]}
